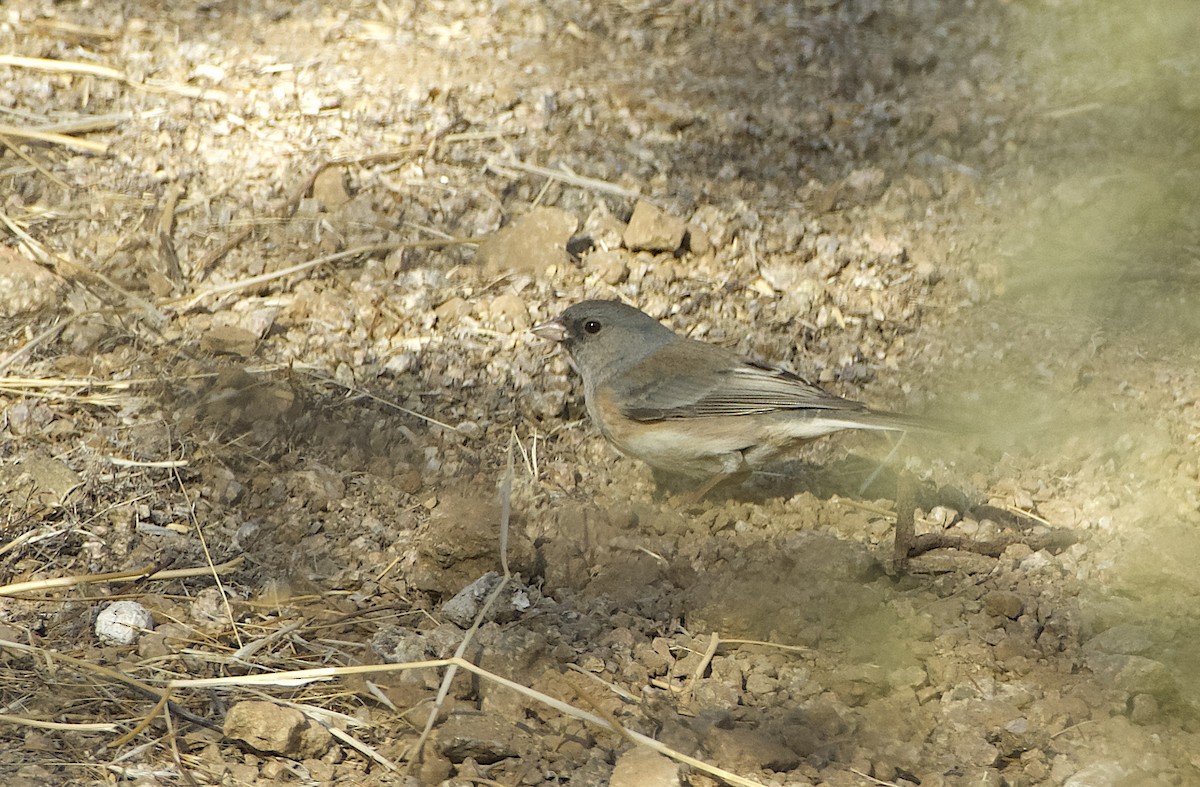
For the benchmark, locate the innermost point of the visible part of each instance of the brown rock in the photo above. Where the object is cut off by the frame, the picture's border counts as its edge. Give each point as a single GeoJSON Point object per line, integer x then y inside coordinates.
{"type": "Point", "coordinates": [30, 776]}
{"type": "Point", "coordinates": [273, 728]}
{"type": "Point", "coordinates": [1001, 603]}
{"type": "Point", "coordinates": [434, 769]}
{"type": "Point", "coordinates": [319, 771]}
{"type": "Point", "coordinates": [229, 340]}
{"type": "Point", "coordinates": [1124, 639]}
{"type": "Point", "coordinates": [509, 312]}
{"type": "Point", "coordinates": [516, 654]}
{"type": "Point", "coordinates": [515, 599]}
{"type": "Point", "coordinates": [452, 311]}
{"type": "Point", "coordinates": [1143, 709]}
{"type": "Point", "coordinates": [715, 695]}
{"type": "Point", "coordinates": [641, 767]}
{"type": "Point", "coordinates": [398, 645]}
{"type": "Point", "coordinates": [744, 751]}
{"type": "Point", "coordinates": [461, 542]}
{"type": "Point", "coordinates": [1132, 674]}
{"type": "Point", "coordinates": [39, 482]}
{"type": "Point", "coordinates": [25, 286]}
{"type": "Point", "coordinates": [698, 240]}
{"type": "Point", "coordinates": [652, 229]}
{"type": "Point", "coordinates": [609, 265]}
{"type": "Point", "coordinates": [482, 738]}
{"type": "Point", "coordinates": [603, 228]}
{"type": "Point", "coordinates": [330, 189]}
{"type": "Point", "coordinates": [531, 244]}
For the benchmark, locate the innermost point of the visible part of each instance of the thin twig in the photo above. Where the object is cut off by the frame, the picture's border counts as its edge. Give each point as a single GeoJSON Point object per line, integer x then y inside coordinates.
{"type": "Point", "coordinates": [905, 522]}
{"type": "Point", "coordinates": [60, 66]}
{"type": "Point", "coordinates": [283, 211]}
{"type": "Point", "coordinates": [448, 678]}
{"type": "Point", "coordinates": [42, 337]}
{"type": "Point", "coordinates": [105, 72]}
{"type": "Point", "coordinates": [19, 588]}
{"type": "Point", "coordinates": [766, 644]}
{"type": "Point", "coordinates": [37, 135]}
{"type": "Point", "coordinates": [1072, 728]}
{"type": "Point", "coordinates": [71, 29]}
{"type": "Point", "coordinates": [31, 161]}
{"type": "Point", "coordinates": [505, 167]}
{"type": "Point", "coordinates": [385, 402]}
{"type": "Point", "coordinates": [162, 464]}
{"type": "Point", "coordinates": [6, 718]}
{"type": "Point", "coordinates": [872, 779]}
{"type": "Point", "coordinates": [363, 748]}
{"type": "Point", "coordinates": [128, 737]}
{"type": "Point", "coordinates": [88, 123]}
{"type": "Point", "coordinates": [714, 642]}
{"type": "Point", "coordinates": [164, 233]}
{"type": "Point", "coordinates": [614, 688]}
{"type": "Point", "coordinates": [174, 739]}
{"type": "Point", "coordinates": [191, 301]}
{"type": "Point", "coordinates": [216, 575]}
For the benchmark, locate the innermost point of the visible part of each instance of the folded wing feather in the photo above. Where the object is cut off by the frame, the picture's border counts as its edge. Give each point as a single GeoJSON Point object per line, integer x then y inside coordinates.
{"type": "Point", "coordinates": [741, 389]}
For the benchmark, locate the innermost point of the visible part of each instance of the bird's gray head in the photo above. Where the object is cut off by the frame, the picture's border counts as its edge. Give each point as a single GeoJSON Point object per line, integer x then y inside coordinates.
{"type": "Point", "coordinates": [606, 337]}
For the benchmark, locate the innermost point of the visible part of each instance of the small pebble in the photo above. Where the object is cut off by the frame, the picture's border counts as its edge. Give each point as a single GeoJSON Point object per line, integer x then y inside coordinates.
{"type": "Point", "coordinates": [122, 622]}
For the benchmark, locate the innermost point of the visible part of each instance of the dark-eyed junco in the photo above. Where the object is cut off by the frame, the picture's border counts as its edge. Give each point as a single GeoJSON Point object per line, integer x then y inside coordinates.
{"type": "Point", "coordinates": [691, 408]}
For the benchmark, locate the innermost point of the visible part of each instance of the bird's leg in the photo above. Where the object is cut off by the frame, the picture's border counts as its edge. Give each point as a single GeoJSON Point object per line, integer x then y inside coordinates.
{"type": "Point", "coordinates": [694, 496]}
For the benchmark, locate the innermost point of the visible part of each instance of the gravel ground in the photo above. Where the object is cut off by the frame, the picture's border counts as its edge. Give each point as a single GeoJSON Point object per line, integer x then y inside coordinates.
{"type": "Point", "coordinates": [266, 308]}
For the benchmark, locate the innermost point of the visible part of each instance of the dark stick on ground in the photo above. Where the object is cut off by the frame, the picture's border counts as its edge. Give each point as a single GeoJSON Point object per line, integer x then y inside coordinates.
{"type": "Point", "coordinates": [905, 526]}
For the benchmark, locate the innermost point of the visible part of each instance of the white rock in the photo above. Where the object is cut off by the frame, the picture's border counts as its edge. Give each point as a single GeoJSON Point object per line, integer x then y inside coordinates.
{"type": "Point", "coordinates": [1036, 561]}
{"type": "Point", "coordinates": [121, 622]}
{"type": "Point", "coordinates": [1099, 774]}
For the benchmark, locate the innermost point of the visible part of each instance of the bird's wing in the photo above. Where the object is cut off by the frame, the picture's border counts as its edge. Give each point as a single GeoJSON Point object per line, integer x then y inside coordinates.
{"type": "Point", "coordinates": [702, 384]}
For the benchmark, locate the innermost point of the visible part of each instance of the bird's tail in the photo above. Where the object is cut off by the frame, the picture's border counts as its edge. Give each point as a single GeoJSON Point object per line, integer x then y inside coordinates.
{"type": "Point", "coordinates": [882, 420]}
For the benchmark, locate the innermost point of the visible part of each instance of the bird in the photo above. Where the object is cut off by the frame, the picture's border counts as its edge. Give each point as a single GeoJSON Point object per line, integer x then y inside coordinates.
{"type": "Point", "coordinates": [693, 409]}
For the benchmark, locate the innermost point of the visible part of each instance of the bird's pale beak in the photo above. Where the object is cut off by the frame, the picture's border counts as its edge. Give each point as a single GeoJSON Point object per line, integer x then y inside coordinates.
{"type": "Point", "coordinates": [554, 330]}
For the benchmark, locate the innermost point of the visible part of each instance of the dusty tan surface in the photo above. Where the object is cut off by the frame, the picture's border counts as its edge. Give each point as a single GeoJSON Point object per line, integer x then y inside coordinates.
{"type": "Point", "coordinates": [984, 213]}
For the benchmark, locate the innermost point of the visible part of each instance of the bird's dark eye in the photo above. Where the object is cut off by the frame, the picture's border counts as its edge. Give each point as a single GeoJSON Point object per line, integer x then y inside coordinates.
{"type": "Point", "coordinates": [592, 326]}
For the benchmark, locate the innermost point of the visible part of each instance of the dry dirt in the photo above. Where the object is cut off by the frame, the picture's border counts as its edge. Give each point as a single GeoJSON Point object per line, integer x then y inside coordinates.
{"type": "Point", "coordinates": [979, 211]}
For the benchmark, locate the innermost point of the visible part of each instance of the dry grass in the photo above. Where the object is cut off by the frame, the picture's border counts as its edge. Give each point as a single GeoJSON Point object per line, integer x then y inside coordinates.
{"type": "Point", "coordinates": [261, 667]}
